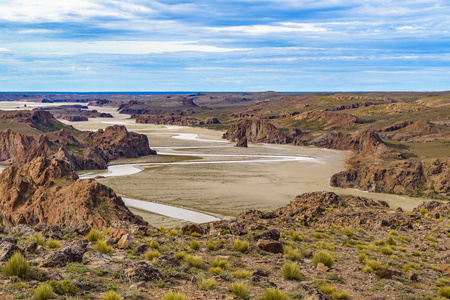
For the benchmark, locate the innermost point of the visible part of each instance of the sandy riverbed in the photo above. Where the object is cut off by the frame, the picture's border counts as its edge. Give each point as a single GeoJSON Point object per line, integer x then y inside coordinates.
{"type": "Point", "coordinates": [222, 189]}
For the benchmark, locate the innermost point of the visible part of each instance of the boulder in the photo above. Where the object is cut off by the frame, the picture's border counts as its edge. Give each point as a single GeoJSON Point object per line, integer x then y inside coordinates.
{"type": "Point", "coordinates": [125, 242]}
{"type": "Point", "coordinates": [7, 249]}
{"type": "Point", "coordinates": [113, 236]}
{"type": "Point", "coordinates": [96, 259]}
{"type": "Point", "coordinates": [273, 234]}
{"type": "Point", "coordinates": [54, 259]}
{"type": "Point", "coordinates": [21, 229]}
{"type": "Point", "coordinates": [82, 227]}
{"type": "Point", "coordinates": [140, 271]}
{"type": "Point", "coordinates": [192, 228]}
{"type": "Point", "coordinates": [271, 246]}
{"type": "Point", "coordinates": [74, 253]}
{"type": "Point", "coordinates": [387, 273]}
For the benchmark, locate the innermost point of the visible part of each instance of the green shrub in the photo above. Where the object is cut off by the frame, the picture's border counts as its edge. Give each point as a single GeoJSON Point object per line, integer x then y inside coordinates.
{"type": "Point", "coordinates": [180, 255]}
{"type": "Point", "coordinates": [240, 290]}
{"type": "Point", "coordinates": [327, 289]}
{"type": "Point", "coordinates": [393, 232]}
{"type": "Point", "coordinates": [44, 292]}
{"type": "Point", "coordinates": [207, 284]}
{"type": "Point", "coordinates": [274, 294]}
{"type": "Point", "coordinates": [211, 245]}
{"type": "Point", "coordinates": [444, 292]}
{"type": "Point", "coordinates": [295, 236]}
{"type": "Point", "coordinates": [323, 257]}
{"type": "Point", "coordinates": [291, 270]}
{"type": "Point", "coordinates": [362, 257]}
{"type": "Point", "coordinates": [215, 270]}
{"type": "Point", "coordinates": [348, 232]}
{"type": "Point", "coordinates": [154, 244]}
{"type": "Point", "coordinates": [293, 254]}
{"type": "Point", "coordinates": [217, 262]}
{"type": "Point", "coordinates": [94, 235]}
{"type": "Point", "coordinates": [38, 238]}
{"type": "Point", "coordinates": [111, 295]}
{"type": "Point", "coordinates": [174, 296]}
{"type": "Point", "coordinates": [240, 245]}
{"type": "Point", "coordinates": [417, 253]}
{"type": "Point", "coordinates": [242, 273]}
{"type": "Point", "coordinates": [386, 250]}
{"type": "Point", "coordinates": [102, 247]}
{"type": "Point", "coordinates": [53, 244]}
{"type": "Point", "coordinates": [194, 261]}
{"type": "Point", "coordinates": [403, 239]}
{"type": "Point", "coordinates": [64, 287]}
{"type": "Point", "coordinates": [373, 264]}
{"type": "Point", "coordinates": [150, 255]}
{"type": "Point", "coordinates": [17, 265]}
{"type": "Point", "coordinates": [340, 295]}
{"type": "Point", "coordinates": [173, 232]}
{"type": "Point", "coordinates": [390, 241]}
{"type": "Point", "coordinates": [195, 245]}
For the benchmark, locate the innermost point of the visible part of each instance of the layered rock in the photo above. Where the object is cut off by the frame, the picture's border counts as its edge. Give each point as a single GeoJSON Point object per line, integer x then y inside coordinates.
{"type": "Point", "coordinates": [256, 131]}
{"type": "Point", "coordinates": [49, 191]}
{"type": "Point", "coordinates": [428, 177]}
{"type": "Point", "coordinates": [17, 147]}
{"type": "Point", "coordinates": [170, 120]}
{"type": "Point", "coordinates": [212, 120]}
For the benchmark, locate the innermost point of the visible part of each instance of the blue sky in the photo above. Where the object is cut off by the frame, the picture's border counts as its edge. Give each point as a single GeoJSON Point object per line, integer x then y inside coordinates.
{"type": "Point", "coordinates": [229, 45]}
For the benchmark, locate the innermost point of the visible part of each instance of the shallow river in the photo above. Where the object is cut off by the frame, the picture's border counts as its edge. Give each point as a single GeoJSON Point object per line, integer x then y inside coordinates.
{"type": "Point", "coordinates": [200, 177]}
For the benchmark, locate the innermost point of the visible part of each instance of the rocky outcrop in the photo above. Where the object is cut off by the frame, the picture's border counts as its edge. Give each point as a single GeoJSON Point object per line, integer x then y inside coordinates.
{"type": "Point", "coordinates": [429, 177]}
{"type": "Point", "coordinates": [49, 191]}
{"type": "Point", "coordinates": [331, 120]}
{"type": "Point", "coordinates": [242, 142]}
{"type": "Point", "coordinates": [17, 147]}
{"type": "Point", "coordinates": [116, 142]}
{"type": "Point", "coordinates": [163, 120]}
{"type": "Point", "coordinates": [365, 143]}
{"type": "Point", "coordinates": [256, 131]}
{"type": "Point", "coordinates": [212, 120]}
{"type": "Point", "coordinates": [352, 106]}
{"type": "Point", "coordinates": [187, 102]}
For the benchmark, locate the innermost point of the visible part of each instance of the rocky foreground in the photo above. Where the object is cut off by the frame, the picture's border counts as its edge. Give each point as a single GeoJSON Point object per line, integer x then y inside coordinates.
{"type": "Point", "coordinates": [320, 246]}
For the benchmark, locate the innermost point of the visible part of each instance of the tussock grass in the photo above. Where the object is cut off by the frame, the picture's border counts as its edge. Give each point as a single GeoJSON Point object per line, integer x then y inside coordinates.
{"type": "Point", "coordinates": [173, 232]}
{"type": "Point", "coordinates": [217, 262]}
{"type": "Point", "coordinates": [154, 244]}
{"type": "Point", "coordinates": [94, 235]}
{"type": "Point", "coordinates": [17, 265]}
{"type": "Point", "coordinates": [180, 255]}
{"type": "Point", "coordinates": [211, 245]}
{"type": "Point", "coordinates": [111, 295]}
{"type": "Point", "coordinates": [274, 294]}
{"type": "Point", "coordinates": [240, 290]}
{"type": "Point", "coordinates": [44, 292]}
{"type": "Point", "coordinates": [195, 245]}
{"type": "Point", "coordinates": [174, 296]}
{"type": "Point", "coordinates": [215, 270]}
{"type": "Point", "coordinates": [53, 244]}
{"type": "Point", "coordinates": [291, 270]}
{"type": "Point", "coordinates": [38, 238]}
{"type": "Point", "coordinates": [194, 261]}
{"type": "Point", "coordinates": [386, 250]}
{"type": "Point", "coordinates": [293, 254]}
{"type": "Point", "coordinates": [240, 245]}
{"type": "Point", "coordinates": [207, 284]}
{"type": "Point", "coordinates": [102, 247]}
{"type": "Point", "coordinates": [242, 273]}
{"type": "Point", "coordinates": [150, 255]}
{"type": "Point", "coordinates": [295, 236]}
{"type": "Point", "coordinates": [323, 257]}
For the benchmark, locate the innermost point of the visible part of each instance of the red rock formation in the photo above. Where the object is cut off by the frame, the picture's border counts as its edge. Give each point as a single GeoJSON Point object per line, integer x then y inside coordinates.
{"type": "Point", "coordinates": [17, 147]}
{"type": "Point", "coordinates": [256, 131]}
{"type": "Point", "coordinates": [48, 191]}
{"type": "Point", "coordinates": [242, 142]}
{"type": "Point", "coordinates": [428, 177]}
{"type": "Point", "coordinates": [162, 120]}
{"type": "Point", "coordinates": [212, 120]}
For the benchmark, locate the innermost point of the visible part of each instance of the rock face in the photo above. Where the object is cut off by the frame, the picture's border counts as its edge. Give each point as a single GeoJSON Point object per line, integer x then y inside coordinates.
{"type": "Point", "coordinates": [242, 142]}
{"type": "Point", "coordinates": [256, 131]}
{"type": "Point", "coordinates": [163, 120]}
{"type": "Point", "coordinates": [95, 150]}
{"type": "Point", "coordinates": [45, 190]}
{"type": "Point", "coordinates": [429, 177]}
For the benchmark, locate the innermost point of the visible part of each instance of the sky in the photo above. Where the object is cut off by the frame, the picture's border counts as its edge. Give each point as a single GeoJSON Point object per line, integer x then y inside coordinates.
{"type": "Point", "coordinates": [224, 45]}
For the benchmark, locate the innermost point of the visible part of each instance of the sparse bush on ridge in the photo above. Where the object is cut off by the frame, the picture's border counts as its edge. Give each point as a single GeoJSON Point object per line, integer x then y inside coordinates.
{"type": "Point", "coordinates": [52, 244]}
{"type": "Point", "coordinates": [174, 296]}
{"type": "Point", "coordinates": [44, 292]}
{"type": "Point", "coordinates": [17, 265]}
{"type": "Point", "coordinates": [112, 295]}
{"type": "Point", "coordinates": [102, 247]}
{"type": "Point", "coordinates": [207, 284]}
{"type": "Point", "coordinates": [195, 245]}
{"type": "Point", "coordinates": [38, 238]}
{"type": "Point", "coordinates": [291, 270]}
{"type": "Point", "coordinates": [240, 245]}
{"type": "Point", "coordinates": [150, 255]}
{"type": "Point", "coordinates": [94, 235]}
{"type": "Point", "coordinates": [274, 294]}
{"type": "Point", "coordinates": [64, 287]}
{"type": "Point", "coordinates": [240, 290]}
{"type": "Point", "coordinates": [323, 257]}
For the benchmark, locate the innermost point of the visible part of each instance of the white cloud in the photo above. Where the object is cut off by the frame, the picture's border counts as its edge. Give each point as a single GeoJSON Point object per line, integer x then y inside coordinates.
{"type": "Point", "coordinates": [35, 31]}
{"type": "Point", "coordinates": [4, 50]}
{"type": "Point", "coordinates": [268, 29]}
{"type": "Point", "coordinates": [33, 11]}
{"type": "Point", "coordinates": [116, 47]}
